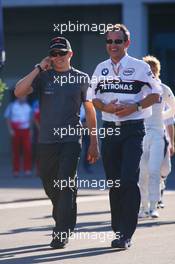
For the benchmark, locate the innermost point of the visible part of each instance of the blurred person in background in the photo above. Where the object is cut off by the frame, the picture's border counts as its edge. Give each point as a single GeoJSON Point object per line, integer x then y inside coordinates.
{"type": "Point", "coordinates": [18, 115]}
{"type": "Point", "coordinates": [154, 145]}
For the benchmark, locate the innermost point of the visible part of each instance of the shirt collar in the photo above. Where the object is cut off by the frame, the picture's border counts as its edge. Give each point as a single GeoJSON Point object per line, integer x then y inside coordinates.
{"type": "Point", "coordinates": [123, 61]}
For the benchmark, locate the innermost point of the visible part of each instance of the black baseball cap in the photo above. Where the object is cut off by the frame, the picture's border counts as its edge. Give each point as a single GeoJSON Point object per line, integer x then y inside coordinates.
{"type": "Point", "coordinates": [60, 43]}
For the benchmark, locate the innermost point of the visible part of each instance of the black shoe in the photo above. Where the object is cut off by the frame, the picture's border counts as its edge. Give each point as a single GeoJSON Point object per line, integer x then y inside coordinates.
{"type": "Point", "coordinates": [122, 243]}
{"type": "Point", "coordinates": [56, 243]}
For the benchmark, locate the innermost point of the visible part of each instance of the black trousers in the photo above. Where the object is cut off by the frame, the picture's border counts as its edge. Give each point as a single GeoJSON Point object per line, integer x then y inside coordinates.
{"type": "Point", "coordinates": [121, 157]}
{"type": "Point", "coordinates": [58, 165]}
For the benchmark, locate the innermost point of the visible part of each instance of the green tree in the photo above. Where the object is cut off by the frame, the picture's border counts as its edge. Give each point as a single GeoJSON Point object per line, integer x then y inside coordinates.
{"type": "Point", "coordinates": [3, 87]}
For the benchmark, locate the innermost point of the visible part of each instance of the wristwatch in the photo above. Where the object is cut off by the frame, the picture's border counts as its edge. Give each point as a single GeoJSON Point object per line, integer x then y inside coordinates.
{"type": "Point", "coordinates": [39, 67]}
{"type": "Point", "coordinates": [139, 107]}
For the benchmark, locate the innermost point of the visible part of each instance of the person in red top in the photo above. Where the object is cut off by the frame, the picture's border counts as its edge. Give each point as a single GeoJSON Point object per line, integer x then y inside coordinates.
{"type": "Point", "coordinates": [18, 116]}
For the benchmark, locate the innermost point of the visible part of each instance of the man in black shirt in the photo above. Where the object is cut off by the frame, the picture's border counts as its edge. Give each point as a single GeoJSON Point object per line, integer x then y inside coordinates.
{"type": "Point", "coordinates": [61, 90]}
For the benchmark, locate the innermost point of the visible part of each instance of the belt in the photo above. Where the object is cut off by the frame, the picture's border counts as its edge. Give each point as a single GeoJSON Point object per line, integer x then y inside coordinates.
{"type": "Point", "coordinates": [121, 123]}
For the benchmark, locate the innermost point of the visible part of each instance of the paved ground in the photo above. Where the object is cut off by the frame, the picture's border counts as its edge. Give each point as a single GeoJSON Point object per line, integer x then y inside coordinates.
{"type": "Point", "coordinates": [26, 225]}
{"type": "Point", "coordinates": [26, 228]}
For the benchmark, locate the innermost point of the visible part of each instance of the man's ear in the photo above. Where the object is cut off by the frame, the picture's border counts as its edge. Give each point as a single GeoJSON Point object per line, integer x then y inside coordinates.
{"type": "Point", "coordinates": [127, 43]}
{"type": "Point", "coordinates": [71, 53]}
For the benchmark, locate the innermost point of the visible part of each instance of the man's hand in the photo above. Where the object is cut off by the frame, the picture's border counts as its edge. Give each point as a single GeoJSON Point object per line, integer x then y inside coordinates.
{"type": "Point", "coordinates": [126, 110]}
{"type": "Point", "coordinates": [93, 150]}
{"type": "Point", "coordinates": [172, 150]}
{"type": "Point", "coordinates": [93, 153]}
{"type": "Point", "coordinates": [45, 64]}
{"type": "Point", "coordinates": [112, 107]}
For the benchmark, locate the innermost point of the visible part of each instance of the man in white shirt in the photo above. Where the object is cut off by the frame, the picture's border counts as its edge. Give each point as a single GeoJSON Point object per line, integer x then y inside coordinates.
{"type": "Point", "coordinates": [123, 88]}
{"type": "Point", "coordinates": [19, 115]}
{"type": "Point", "coordinates": [154, 146]}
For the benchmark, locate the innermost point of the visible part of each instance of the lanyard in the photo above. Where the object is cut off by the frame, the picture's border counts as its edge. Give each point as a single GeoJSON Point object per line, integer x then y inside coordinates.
{"type": "Point", "coordinates": [118, 69]}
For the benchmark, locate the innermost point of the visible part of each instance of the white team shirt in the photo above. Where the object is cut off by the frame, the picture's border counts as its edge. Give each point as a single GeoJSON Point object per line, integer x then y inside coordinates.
{"type": "Point", "coordinates": [161, 111]}
{"type": "Point", "coordinates": [19, 113]}
{"type": "Point", "coordinates": [129, 81]}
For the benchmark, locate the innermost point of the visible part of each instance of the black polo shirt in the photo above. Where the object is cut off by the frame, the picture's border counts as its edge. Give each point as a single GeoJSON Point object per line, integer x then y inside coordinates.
{"type": "Point", "coordinates": [60, 97]}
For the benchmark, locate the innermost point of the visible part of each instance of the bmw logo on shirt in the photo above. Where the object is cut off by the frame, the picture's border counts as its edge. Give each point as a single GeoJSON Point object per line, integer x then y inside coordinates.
{"type": "Point", "coordinates": [105, 71]}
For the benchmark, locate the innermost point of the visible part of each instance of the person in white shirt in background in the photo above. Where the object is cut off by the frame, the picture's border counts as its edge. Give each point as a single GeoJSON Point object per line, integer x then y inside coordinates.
{"type": "Point", "coordinates": [153, 147]}
{"type": "Point", "coordinates": [18, 115]}
{"type": "Point", "coordinates": [166, 164]}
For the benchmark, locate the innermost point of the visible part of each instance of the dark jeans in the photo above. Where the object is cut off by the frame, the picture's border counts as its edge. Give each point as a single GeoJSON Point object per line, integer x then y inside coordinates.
{"type": "Point", "coordinates": [58, 163]}
{"type": "Point", "coordinates": [121, 157]}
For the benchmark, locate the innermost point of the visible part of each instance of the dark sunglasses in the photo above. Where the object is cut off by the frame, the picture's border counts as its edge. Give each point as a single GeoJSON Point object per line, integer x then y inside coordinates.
{"type": "Point", "coordinates": [54, 53]}
{"type": "Point", "coordinates": [116, 41]}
